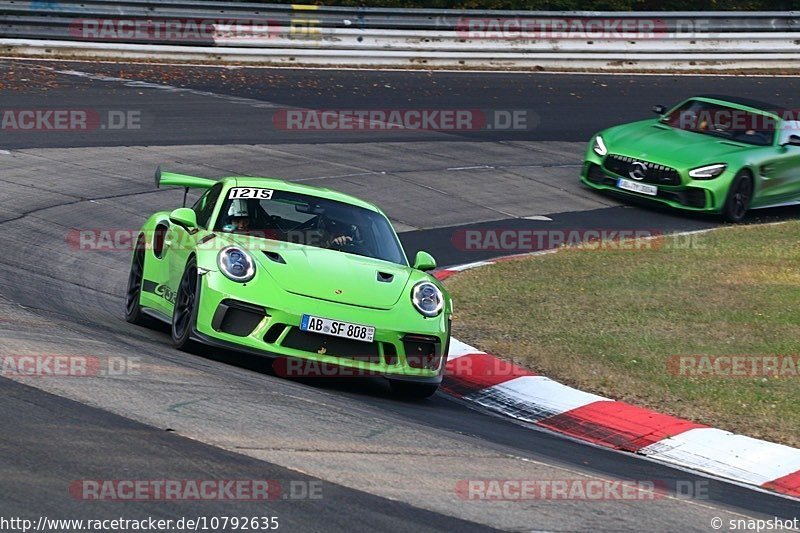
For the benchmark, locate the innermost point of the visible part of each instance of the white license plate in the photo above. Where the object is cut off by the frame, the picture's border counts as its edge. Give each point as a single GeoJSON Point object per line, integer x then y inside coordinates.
{"type": "Point", "coordinates": [643, 188]}
{"type": "Point", "coordinates": [326, 326]}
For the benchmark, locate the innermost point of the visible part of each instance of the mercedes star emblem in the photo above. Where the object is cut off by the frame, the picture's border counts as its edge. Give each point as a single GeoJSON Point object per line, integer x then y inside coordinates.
{"type": "Point", "coordinates": [638, 170]}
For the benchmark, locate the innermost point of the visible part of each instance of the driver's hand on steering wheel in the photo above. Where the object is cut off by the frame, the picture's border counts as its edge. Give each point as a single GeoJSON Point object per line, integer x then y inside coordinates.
{"type": "Point", "coordinates": [342, 240]}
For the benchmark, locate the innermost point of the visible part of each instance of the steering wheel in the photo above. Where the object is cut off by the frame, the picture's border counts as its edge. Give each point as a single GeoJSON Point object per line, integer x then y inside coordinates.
{"type": "Point", "coordinates": [720, 127]}
{"type": "Point", "coordinates": [351, 247]}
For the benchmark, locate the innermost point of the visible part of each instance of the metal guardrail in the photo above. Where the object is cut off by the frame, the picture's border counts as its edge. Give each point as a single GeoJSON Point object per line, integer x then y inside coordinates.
{"type": "Point", "coordinates": [281, 33]}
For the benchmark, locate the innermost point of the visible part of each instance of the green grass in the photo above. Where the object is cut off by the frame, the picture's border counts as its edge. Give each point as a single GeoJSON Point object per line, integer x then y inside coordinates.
{"type": "Point", "coordinates": [608, 321]}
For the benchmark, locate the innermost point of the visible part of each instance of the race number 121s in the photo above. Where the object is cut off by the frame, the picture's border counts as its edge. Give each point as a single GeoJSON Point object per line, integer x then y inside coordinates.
{"type": "Point", "coordinates": [250, 193]}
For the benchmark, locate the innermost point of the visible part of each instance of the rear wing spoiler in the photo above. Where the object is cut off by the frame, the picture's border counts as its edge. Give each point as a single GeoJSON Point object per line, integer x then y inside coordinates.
{"type": "Point", "coordinates": [181, 180]}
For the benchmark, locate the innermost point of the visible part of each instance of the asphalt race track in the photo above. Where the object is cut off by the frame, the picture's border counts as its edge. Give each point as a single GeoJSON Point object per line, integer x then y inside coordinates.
{"type": "Point", "coordinates": [382, 463]}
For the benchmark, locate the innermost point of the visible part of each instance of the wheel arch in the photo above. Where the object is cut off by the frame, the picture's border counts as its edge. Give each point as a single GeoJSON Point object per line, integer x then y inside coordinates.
{"type": "Point", "coordinates": [750, 169]}
{"type": "Point", "coordinates": [730, 212]}
{"type": "Point", "coordinates": [206, 258]}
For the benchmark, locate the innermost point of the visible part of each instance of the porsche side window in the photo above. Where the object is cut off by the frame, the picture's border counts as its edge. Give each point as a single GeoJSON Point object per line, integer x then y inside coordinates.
{"type": "Point", "coordinates": [204, 207]}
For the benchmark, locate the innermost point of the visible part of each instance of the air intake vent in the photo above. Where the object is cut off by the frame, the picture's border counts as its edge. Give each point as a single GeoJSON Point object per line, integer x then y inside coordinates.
{"type": "Point", "coordinates": [275, 257]}
{"type": "Point", "coordinates": [237, 318]}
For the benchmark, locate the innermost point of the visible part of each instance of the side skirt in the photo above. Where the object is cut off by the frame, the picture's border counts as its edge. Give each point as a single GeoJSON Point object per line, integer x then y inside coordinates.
{"type": "Point", "coordinates": [158, 315]}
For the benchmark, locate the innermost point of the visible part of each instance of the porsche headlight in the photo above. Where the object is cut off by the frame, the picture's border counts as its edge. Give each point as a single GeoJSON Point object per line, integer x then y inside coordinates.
{"type": "Point", "coordinates": [600, 146]}
{"type": "Point", "coordinates": [707, 172]}
{"type": "Point", "coordinates": [236, 264]}
{"type": "Point", "coordinates": [427, 298]}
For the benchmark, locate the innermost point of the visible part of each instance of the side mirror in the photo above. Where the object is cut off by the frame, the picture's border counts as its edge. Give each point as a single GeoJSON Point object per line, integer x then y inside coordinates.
{"type": "Point", "coordinates": [659, 109]}
{"type": "Point", "coordinates": [424, 261]}
{"type": "Point", "coordinates": [793, 140]}
{"type": "Point", "coordinates": [185, 217]}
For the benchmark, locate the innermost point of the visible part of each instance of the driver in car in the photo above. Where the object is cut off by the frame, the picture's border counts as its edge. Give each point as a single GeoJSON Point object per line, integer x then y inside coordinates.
{"type": "Point", "coordinates": [339, 235]}
{"type": "Point", "coordinates": [248, 217]}
{"type": "Point", "coordinates": [238, 217]}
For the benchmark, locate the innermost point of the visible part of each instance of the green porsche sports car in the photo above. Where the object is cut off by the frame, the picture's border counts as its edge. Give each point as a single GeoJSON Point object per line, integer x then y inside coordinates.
{"type": "Point", "coordinates": [714, 154]}
{"type": "Point", "coordinates": [300, 273]}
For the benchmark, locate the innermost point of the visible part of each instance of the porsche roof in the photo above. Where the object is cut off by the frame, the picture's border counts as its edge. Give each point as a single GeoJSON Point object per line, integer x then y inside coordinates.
{"type": "Point", "coordinates": [283, 185]}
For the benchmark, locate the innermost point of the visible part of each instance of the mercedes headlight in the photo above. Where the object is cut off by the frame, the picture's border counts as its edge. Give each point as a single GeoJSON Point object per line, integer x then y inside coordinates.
{"type": "Point", "coordinates": [707, 172]}
{"type": "Point", "coordinates": [236, 264]}
{"type": "Point", "coordinates": [427, 298]}
{"type": "Point", "coordinates": [600, 146]}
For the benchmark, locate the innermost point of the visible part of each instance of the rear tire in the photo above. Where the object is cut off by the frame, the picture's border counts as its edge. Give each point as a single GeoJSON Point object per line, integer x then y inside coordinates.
{"type": "Point", "coordinates": [413, 390]}
{"type": "Point", "coordinates": [133, 309]}
{"type": "Point", "coordinates": [739, 197]}
{"type": "Point", "coordinates": [184, 313]}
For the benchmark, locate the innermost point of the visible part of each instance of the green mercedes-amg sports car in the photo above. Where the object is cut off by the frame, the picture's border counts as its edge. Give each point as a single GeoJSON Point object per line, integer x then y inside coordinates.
{"type": "Point", "coordinates": [300, 273]}
{"type": "Point", "coordinates": [716, 154]}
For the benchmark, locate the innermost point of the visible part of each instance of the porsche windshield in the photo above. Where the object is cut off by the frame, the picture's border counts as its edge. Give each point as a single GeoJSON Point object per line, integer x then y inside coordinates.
{"type": "Point", "coordinates": [309, 220]}
{"type": "Point", "coordinates": [722, 121]}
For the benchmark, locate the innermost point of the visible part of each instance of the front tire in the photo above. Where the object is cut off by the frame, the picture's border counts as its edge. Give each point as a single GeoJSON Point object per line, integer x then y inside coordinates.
{"type": "Point", "coordinates": [184, 313]}
{"type": "Point", "coordinates": [739, 197]}
{"type": "Point", "coordinates": [413, 390]}
{"type": "Point", "coordinates": [133, 309]}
